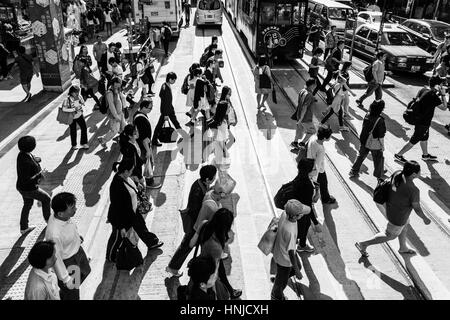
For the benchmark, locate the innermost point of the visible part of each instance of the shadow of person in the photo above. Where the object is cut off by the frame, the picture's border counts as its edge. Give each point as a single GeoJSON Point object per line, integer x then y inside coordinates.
{"type": "Point", "coordinates": [311, 292]}
{"type": "Point", "coordinates": [331, 225]}
{"type": "Point", "coordinates": [104, 289]}
{"type": "Point", "coordinates": [172, 284]}
{"type": "Point", "coordinates": [439, 184]}
{"type": "Point", "coordinates": [266, 123]}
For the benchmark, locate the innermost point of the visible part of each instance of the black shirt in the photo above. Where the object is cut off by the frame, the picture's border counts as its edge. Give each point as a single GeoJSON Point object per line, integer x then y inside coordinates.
{"type": "Point", "coordinates": [337, 54]}
{"type": "Point", "coordinates": [144, 128]}
{"type": "Point", "coordinates": [304, 191]}
{"type": "Point", "coordinates": [378, 132]}
{"type": "Point", "coordinates": [314, 71]}
{"type": "Point", "coordinates": [27, 167]}
{"type": "Point", "coordinates": [426, 105]}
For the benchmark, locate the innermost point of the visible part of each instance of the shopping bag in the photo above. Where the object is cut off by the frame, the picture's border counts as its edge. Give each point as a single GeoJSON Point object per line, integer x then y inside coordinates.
{"type": "Point", "coordinates": [128, 256]}
{"type": "Point", "coordinates": [268, 239]}
{"type": "Point", "coordinates": [64, 117]}
{"type": "Point", "coordinates": [166, 135]}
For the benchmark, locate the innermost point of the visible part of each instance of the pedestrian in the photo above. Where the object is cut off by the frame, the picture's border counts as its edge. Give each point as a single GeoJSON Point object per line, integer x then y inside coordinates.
{"type": "Point", "coordinates": [129, 148]}
{"type": "Point", "coordinates": [116, 104]}
{"type": "Point", "coordinates": [263, 82]}
{"type": "Point", "coordinates": [337, 105]}
{"type": "Point", "coordinates": [100, 18]}
{"type": "Point", "coordinates": [42, 283]}
{"type": "Point", "coordinates": [187, 12]}
{"type": "Point", "coordinates": [74, 104]}
{"type": "Point", "coordinates": [194, 205]}
{"type": "Point", "coordinates": [214, 43]}
{"type": "Point", "coordinates": [314, 69]}
{"type": "Point", "coordinates": [26, 69]}
{"type": "Point", "coordinates": [91, 23]}
{"type": "Point", "coordinates": [378, 76]}
{"type": "Point", "coordinates": [316, 151]}
{"type": "Point", "coordinates": [29, 176]}
{"type": "Point", "coordinates": [403, 197]}
{"type": "Point", "coordinates": [108, 21]}
{"type": "Point", "coordinates": [167, 110]}
{"type": "Point", "coordinates": [332, 63]}
{"type": "Point", "coordinates": [374, 127]}
{"type": "Point", "coordinates": [204, 99]}
{"type": "Point", "coordinates": [217, 64]}
{"type": "Point", "coordinates": [345, 74]}
{"type": "Point", "coordinates": [166, 36]}
{"type": "Point", "coordinates": [116, 69]}
{"type": "Point", "coordinates": [307, 192]}
{"type": "Point", "coordinates": [99, 49]}
{"type": "Point", "coordinates": [209, 51]}
{"type": "Point", "coordinates": [144, 128]}
{"type": "Point", "coordinates": [269, 46]}
{"type": "Point", "coordinates": [220, 134]}
{"type": "Point", "coordinates": [428, 98]}
{"type": "Point", "coordinates": [304, 115]}
{"type": "Point", "coordinates": [70, 256]}
{"type": "Point", "coordinates": [214, 234]}
{"type": "Point", "coordinates": [104, 62]}
{"type": "Point", "coordinates": [284, 248]}
{"type": "Point", "coordinates": [88, 83]}
{"type": "Point", "coordinates": [330, 41]}
{"type": "Point", "coordinates": [225, 96]}
{"type": "Point", "coordinates": [314, 34]}
{"type": "Point", "coordinates": [199, 94]}
{"type": "Point", "coordinates": [84, 53]}
{"type": "Point", "coordinates": [4, 53]}
{"type": "Point", "coordinates": [122, 215]}
{"type": "Point", "coordinates": [372, 6]}
{"type": "Point", "coordinates": [203, 277]}
{"type": "Point", "coordinates": [441, 50]}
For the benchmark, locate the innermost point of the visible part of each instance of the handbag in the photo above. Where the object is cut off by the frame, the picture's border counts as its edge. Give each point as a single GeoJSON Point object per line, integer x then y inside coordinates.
{"type": "Point", "coordinates": [166, 133]}
{"type": "Point", "coordinates": [128, 256]}
{"type": "Point", "coordinates": [64, 117]}
{"type": "Point", "coordinates": [144, 205]}
{"type": "Point", "coordinates": [274, 96]}
{"type": "Point", "coordinates": [371, 142]}
{"type": "Point", "coordinates": [268, 239]}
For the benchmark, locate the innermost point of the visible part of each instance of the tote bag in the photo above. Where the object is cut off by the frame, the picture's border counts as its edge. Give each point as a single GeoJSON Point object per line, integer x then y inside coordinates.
{"type": "Point", "coordinates": [372, 143]}
{"type": "Point", "coordinates": [268, 239]}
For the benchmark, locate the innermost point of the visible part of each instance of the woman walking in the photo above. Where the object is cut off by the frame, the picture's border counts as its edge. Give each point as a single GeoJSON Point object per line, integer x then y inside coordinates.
{"type": "Point", "coordinates": [219, 126]}
{"type": "Point", "coordinates": [88, 83]}
{"type": "Point", "coordinates": [74, 104]}
{"type": "Point", "coordinates": [372, 140]}
{"type": "Point", "coordinates": [194, 77]}
{"type": "Point", "coordinates": [108, 21]}
{"type": "Point", "coordinates": [84, 53]}
{"type": "Point", "coordinates": [130, 149]}
{"type": "Point", "coordinates": [263, 82]}
{"type": "Point", "coordinates": [203, 277]}
{"type": "Point", "coordinates": [344, 73]}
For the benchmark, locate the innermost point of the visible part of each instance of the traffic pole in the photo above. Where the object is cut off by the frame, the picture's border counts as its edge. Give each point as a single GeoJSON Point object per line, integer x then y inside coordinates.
{"type": "Point", "coordinates": [380, 32]}
{"type": "Point", "coordinates": [353, 40]}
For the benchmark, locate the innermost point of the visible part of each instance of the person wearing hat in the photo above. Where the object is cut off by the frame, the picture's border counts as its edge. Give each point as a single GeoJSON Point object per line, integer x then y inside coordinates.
{"type": "Point", "coordinates": [284, 247]}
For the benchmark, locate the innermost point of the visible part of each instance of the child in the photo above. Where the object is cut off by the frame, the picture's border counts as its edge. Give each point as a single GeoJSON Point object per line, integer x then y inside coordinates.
{"type": "Point", "coordinates": [314, 68]}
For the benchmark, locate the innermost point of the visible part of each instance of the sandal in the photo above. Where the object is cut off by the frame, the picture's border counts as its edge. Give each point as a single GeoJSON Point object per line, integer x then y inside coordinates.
{"type": "Point", "coordinates": [363, 252]}
{"type": "Point", "coordinates": [409, 251]}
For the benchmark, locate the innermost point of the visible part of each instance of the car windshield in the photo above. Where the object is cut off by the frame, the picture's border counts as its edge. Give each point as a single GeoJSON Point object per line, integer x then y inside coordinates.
{"type": "Point", "coordinates": [339, 13]}
{"type": "Point", "coordinates": [440, 31]}
{"type": "Point", "coordinates": [397, 39]}
{"type": "Point", "coordinates": [209, 5]}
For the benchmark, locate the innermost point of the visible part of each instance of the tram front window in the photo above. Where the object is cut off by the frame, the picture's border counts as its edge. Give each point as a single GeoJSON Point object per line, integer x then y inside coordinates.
{"type": "Point", "coordinates": [267, 13]}
{"type": "Point", "coordinates": [284, 14]}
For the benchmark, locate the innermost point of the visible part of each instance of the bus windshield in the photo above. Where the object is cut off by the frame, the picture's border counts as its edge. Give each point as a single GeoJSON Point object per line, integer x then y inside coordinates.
{"type": "Point", "coordinates": [209, 5]}
{"type": "Point", "coordinates": [340, 13]}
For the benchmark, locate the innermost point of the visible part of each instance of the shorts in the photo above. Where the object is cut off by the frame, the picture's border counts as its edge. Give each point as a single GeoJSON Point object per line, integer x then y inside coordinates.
{"type": "Point", "coordinates": [26, 79]}
{"type": "Point", "coordinates": [421, 133]}
{"type": "Point", "coordinates": [393, 230]}
{"type": "Point", "coordinates": [306, 128]}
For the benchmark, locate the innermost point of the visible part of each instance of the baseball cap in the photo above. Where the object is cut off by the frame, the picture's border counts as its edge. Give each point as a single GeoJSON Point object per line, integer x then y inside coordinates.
{"type": "Point", "coordinates": [294, 207]}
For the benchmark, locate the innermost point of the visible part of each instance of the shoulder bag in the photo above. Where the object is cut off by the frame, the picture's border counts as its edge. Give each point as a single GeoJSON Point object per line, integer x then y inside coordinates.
{"type": "Point", "coordinates": [268, 239]}
{"type": "Point", "coordinates": [64, 117]}
{"type": "Point", "coordinates": [144, 205]}
{"type": "Point", "coordinates": [371, 142]}
{"type": "Point", "coordinates": [166, 133]}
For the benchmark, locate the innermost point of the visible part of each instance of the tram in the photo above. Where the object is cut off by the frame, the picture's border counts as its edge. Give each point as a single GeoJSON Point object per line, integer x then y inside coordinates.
{"type": "Point", "coordinates": [209, 12]}
{"type": "Point", "coordinates": [279, 24]}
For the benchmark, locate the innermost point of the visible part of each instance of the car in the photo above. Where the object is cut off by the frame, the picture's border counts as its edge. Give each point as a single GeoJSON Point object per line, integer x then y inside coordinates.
{"type": "Point", "coordinates": [364, 17]}
{"type": "Point", "coordinates": [402, 52]}
{"type": "Point", "coordinates": [427, 34]}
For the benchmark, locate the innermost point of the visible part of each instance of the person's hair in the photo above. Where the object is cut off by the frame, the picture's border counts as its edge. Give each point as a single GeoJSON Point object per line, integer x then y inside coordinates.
{"type": "Point", "coordinates": [346, 65]}
{"type": "Point", "coordinates": [212, 47]}
{"type": "Point", "coordinates": [310, 82]}
{"type": "Point", "coordinates": [376, 108]}
{"type": "Point", "coordinates": [219, 225]}
{"type": "Point", "coordinates": [409, 168]}
{"type": "Point", "coordinates": [225, 91]}
{"type": "Point", "coordinates": [74, 89]}
{"type": "Point", "coordinates": [118, 45]}
{"type": "Point", "coordinates": [218, 52]}
{"type": "Point", "coordinates": [332, 27]}
{"type": "Point", "coordinates": [318, 50]}
{"type": "Point", "coordinates": [40, 253]}
{"type": "Point", "coordinates": [262, 61]}
{"type": "Point", "coordinates": [142, 55]}
{"type": "Point", "coordinates": [380, 54]}
{"type": "Point", "coordinates": [209, 63]}
{"type": "Point", "coordinates": [207, 172]}
{"type": "Point", "coordinates": [196, 73]}
{"type": "Point", "coordinates": [21, 49]}
{"type": "Point", "coordinates": [112, 60]}
{"type": "Point", "coordinates": [126, 164]}
{"type": "Point", "coordinates": [26, 143]}
{"type": "Point", "coordinates": [214, 38]}
{"type": "Point", "coordinates": [324, 133]}
{"type": "Point", "coordinates": [435, 81]}
{"type": "Point", "coordinates": [62, 201]}
{"type": "Point", "coordinates": [340, 42]}
{"type": "Point", "coordinates": [115, 80]}
{"type": "Point", "coordinates": [112, 44]}
{"type": "Point", "coordinates": [305, 166]}
{"type": "Point", "coordinates": [193, 67]}
{"type": "Point", "coordinates": [171, 76]}
{"type": "Point", "coordinates": [81, 49]}
{"type": "Point", "coordinates": [144, 104]}
{"type": "Point", "coordinates": [219, 116]}
{"type": "Point", "coordinates": [201, 269]}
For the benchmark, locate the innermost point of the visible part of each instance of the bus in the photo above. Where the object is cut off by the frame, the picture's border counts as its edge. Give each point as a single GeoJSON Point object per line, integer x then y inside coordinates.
{"type": "Point", "coordinates": [280, 24]}
{"type": "Point", "coordinates": [159, 11]}
{"type": "Point", "coordinates": [209, 12]}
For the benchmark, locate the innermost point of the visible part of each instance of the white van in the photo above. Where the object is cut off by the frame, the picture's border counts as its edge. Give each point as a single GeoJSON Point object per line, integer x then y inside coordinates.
{"type": "Point", "coordinates": [330, 13]}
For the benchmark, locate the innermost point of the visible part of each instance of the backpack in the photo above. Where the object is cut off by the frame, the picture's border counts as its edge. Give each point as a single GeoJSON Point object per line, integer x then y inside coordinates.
{"type": "Point", "coordinates": [185, 86]}
{"type": "Point", "coordinates": [368, 75]}
{"type": "Point", "coordinates": [203, 59]}
{"type": "Point", "coordinates": [381, 192]}
{"type": "Point", "coordinates": [103, 107]}
{"type": "Point", "coordinates": [411, 114]}
{"type": "Point", "coordinates": [284, 194]}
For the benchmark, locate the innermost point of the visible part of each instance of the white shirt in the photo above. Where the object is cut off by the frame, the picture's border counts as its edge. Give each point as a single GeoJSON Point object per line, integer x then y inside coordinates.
{"type": "Point", "coordinates": [42, 285]}
{"type": "Point", "coordinates": [316, 151]}
{"type": "Point", "coordinates": [67, 243]}
{"type": "Point", "coordinates": [285, 241]}
{"type": "Point", "coordinates": [117, 71]}
{"type": "Point", "coordinates": [108, 56]}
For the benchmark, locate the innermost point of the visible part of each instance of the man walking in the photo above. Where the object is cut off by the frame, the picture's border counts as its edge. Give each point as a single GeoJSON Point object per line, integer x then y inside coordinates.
{"type": "Point", "coordinates": [217, 61]}
{"type": "Point", "coordinates": [284, 249]}
{"type": "Point", "coordinates": [403, 197]}
{"type": "Point", "coordinates": [333, 62]}
{"type": "Point", "coordinates": [166, 36]}
{"type": "Point", "coordinates": [144, 128]}
{"type": "Point", "coordinates": [167, 109]}
{"type": "Point", "coordinates": [378, 75]}
{"type": "Point", "coordinates": [187, 11]}
{"type": "Point", "coordinates": [26, 69]}
{"type": "Point", "coordinates": [304, 115]}
{"type": "Point", "coordinates": [314, 34]}
{"type": "Point", "coordinates": [99, 49]}
{"type": "Point", "coordinates": [72, 264]}
{"type": "Point", "coordinates": [428, 99]}
{"type": "Point", "coordinates": [330, 41]}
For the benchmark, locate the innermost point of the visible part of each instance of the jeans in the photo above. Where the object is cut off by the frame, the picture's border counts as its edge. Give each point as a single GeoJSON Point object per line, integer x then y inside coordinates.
{"type": "Point", "coordinates": [378, 161]}
{"type": "Point", "coordinates": [318, 85]}
{"type": "Point", "coordinates": [182, 252]}
{"type": "Point", "coordinates": [89, 93]}
{"type": "Point", "coordinates": [73, 131]}
{"type": "Point", "coordinates": [323, 182]}
{"type": "Point", "coordinates": [281, 280]}
{"type": "Point", "coordinates": [166, 47]}
{"type": "Point", "coordinates": [113, 244]}
{"type": "Point", "coordinates": [302, 229]}
{"type": "Point", "coordinates": [28, 199]}
{"type": "Point", "coordinates": [330, 113]}
{"type": "Point", "coordinates": [142, 231]}
{"type": "Point", "coordinates": [173, 119]}
{"type": "Point", "coordinates": [372, 87]}
{"type": "Point", "coordinates": [108, 28]}
{"type": "Point", "coordinates": [4, 67]}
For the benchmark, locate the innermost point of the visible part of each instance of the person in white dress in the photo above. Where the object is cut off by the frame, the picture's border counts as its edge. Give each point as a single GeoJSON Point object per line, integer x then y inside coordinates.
{"type": "Point", "coordinates": [195, 75]}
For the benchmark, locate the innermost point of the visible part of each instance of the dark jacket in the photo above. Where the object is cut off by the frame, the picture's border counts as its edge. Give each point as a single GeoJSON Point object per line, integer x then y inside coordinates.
{"type": "Point", "coordinates": [27, 167]}
{"type": "Point", "coordinates": [128, 150]}
{"type": "Point", "coordinates": [195, 200]}
{"type": "Point", "coordinates": [166, 100]}
{"type": "Point", "coordinates": [368, 123]}
{"type": "Point", "coordinates": [145, 130]}
{"type": "Point", "coordinates": [199, 91]}
{"type": "Point", "coordinates": [120, 213]}
{"type": "Point", "coordinates": [304, 191]}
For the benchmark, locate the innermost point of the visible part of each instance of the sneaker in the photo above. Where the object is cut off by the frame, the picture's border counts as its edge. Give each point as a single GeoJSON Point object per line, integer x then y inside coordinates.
{"type": "Point", "coordinates": [1, 78]}
{"type": "Point", "coordinates": [29, 97]}
{"type": "Point", "coordinates": [235, 294]}
{"type": "Point", "coordinates": [24, 231]}
{"type": "Point", "coordinates": [74, 147]}
{"type": "Point", "coordinates": [329, 201]}
{"type": "Point", "coordinates": [224, 256]}
{"type": "Point", "coordinates": [85, 146]}
{"type": "Point", "coordinates": [343, 128]}
{"type": "Point", "coordinates": [188, 114]}
{"type": "Point", "coordinates": [429, 157]}
{"type": "Point", "coordinates": [294, 144]}
{"type": "Point", "coordinates": [190, 124]}
{"type": "Point", "coordinates": [306, 248]}
{"type": "Point", "coordinates": [399, 158]}
{"type": "Point", "coordinates": [10, 77]}
{"type": "Point", "coordinates": [353, 174]}
{"type": "Point", "coordinates": [173, 272]}
{"type": "Point", "coordinates": [156, 245]}
{"type": "Point", "coordinates": [359, 102]}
